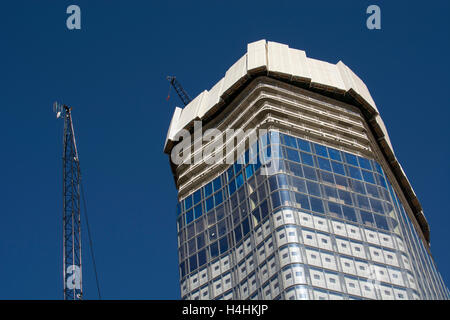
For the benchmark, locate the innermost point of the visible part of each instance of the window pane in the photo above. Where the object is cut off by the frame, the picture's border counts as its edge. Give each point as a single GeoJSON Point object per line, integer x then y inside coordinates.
{"type": "Point", "coordinates": [335, 154]}
{"type": "Point", "coordinates": [367, 218]}
{"type": "Point", "coordinates": [307, 159]}
{"type": "Point", "coordinates": [349, 213]}
{"type": "Point", "coordinates": [316, 205]}
{"type": "Point", "coordinates": [292, 155]}
{"type": "Point", "coordinates": [364, 163]}
{"type": "Point", "coordinates": [217, 184]}
{"type": "Point", "coordinates": [303, 145]}
{"type": "Point", "coordinates": [302, 200]}
{"type": "Point", "coordinates": [310, 173]}
{"type": "Point", "coordinates": [290, 141]}
{"type": "Point", "coordinates": [354, 172]}
{"type": "Point", "coordinates": [351, 159]}
{"type": "Point", "coordinates": [338, 168]}
{"type": "Point", "coordinates": [320, 150]}
{"type": "Point", "coordinates": [324, 164]}
{"type": "Point", "coordinates": [313, 188]}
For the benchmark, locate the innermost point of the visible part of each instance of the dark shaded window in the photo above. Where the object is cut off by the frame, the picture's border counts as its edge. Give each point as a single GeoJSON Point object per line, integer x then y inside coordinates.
{"type": "Point", "coordinates": [209, 204]}
{"type": "Point", "coordinates": [302, 200]}
{"type": "Point", "coordinates": [334, 209]}
{"type": "Point", "coordinates": [368, 176]}
{"type": "Point", "coordinates": [188, 202]}
{"type": "Point", "coordinates": [367, 218]}
{"type": "Point", "coordinates": [217, 184]}
{"type": "Point", "coordinates": [214, 250]}
{"type": "Point", "coordinates": [316, 205]}
{"type": "Point", "coordinates": [349, 213]}
{"type": "Point", "coordinates": [313, 188]}
{"type": "Point", "coordinates": [223, 244]}
{"type": "Point", "coordinates": [310, 173]}
{"type": "Point", "coordinates": [307, 159]}
{"type": "Point", "coordinates": [320, 150]}
{"type": "Point", "coordinates": [189, 216]}
{"type": "Point", "coordinates": [381, 222]}
{"type": "Point", "coordinates": [376, 206]}
{"type": "Point", "coordinates": [299, 184]}
{"type": "Point", "coordinates": [192, 263]}
{"type": "Point", "coordinates": [275, 200]}
{"type": "Point", "coordinates": [345, 195]}
{"type": "Point", "coordinates": [202, 257]}
{"type": "Point", "coordinates": [354, 172]}
{"type": "Point", "coordinates": [289, 141]}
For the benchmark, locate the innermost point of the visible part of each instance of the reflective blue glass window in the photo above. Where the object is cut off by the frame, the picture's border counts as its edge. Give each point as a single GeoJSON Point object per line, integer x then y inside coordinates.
{"type": "Point", "coordinates": [264, 209]}
{"type": "Point", "coordinates": [313, 188]}
{"type": "Point", "coordinates": [330, 192]}
{"type": "Point", "coordinates": [249, 171]}
{"type": "Point", "coordinates": [351, 159]}
{"type": "Point", "coordinates": [178, 208]}
{"type": "Point", "coordinates": [245, 227]}
{"type": "Point", "coordinates": [202, 257]}
{"type": "Point", "coordinates": [292, 155]}
{"type": "Point", "coordinates": [183, 269]}
{"type": "Point", "coordinates": [354, 172]}
{"type": "Point", "coordinates": [238, 233]}
{"type": "Point", "coordinates": [310, 173]}
{"type": "Point", "coordinates": [349, 213]}
{"type": "Point", "coordinates": [381, 222]}
{"type": "Point", "coordinates": [188, 202]}
{"type": "Point", "coordinates": [367, 218]}
{"type": "Point", "coordinates": [334, 209]}
{"type": "Point", "coordinates": [198, 211]}
{"type": "Point", "coordinates": [358, 186]}
{"type": "Point", "coordinates": [275, 200]}
{"type": "Point", "coordinates": [189, 216]}
{"type": "Point", "coordinates": [345, 196]}
{"type": "Point", "coordinates": [282, 181]}
{"type": "Point", "coordinates": [376, 205]}
{"type": "Point", "coordinates": [326, 177]}
{"type": "Point", "coordinates": [334, 154]}
{"type": "Point", "coordinates": [223, 244]}
{"type": "Point", "coordinates": [208, 190]}
{"type": "Point", "coordinates": [341, 181]}
{"type": "Point", "coordinates": [324, 164]}
{"type": "Point", "coordinates": [192, 263]}
{"type": "Point", "coordinates": [217, 183]}
{"type": "Point", "coordinates": [273, 183]}
{"type": "Point", "coordinates": [364, 163]}
{"type": "Point", "coordinates": [295, 169]}
{"type": "Point", "coordinates": [368, 176]}
{"type": "Point", "coordinates": [239, 181]}
{"type": "Point", "coordinates": [230, 173]}
{"type": "Point", "coordinates": [372, 190]}
{"type": "Point", "coordinates": [214, 250]}
{"type": "Point", "coordinates": [302, 200]}
{"type": "Point", "coordinates": [197, 196]}
{"type": "Point", "coordinates": [338, 168]}
{"type": "Point", "coordinates": [284, 196]}
{"type": "Point", "coordinates": [307, 159]}
{"type": "Point", "coordinates": [218, 198]}
{"type": "Point", "coordinates": [320, 150]}
{"type": "Point", "coordinates": [201, 240]}
{"type": "Point", "coordinates": [303, 145]}
{"type": "Point", "coordinates": [378, 168]}
{"type": "Point", "coordinates": [209, 204]}
{"type": "Point", "coordinates": [380, 180]}
{"type": "Point", "coordinates": [299, 184]}
{"type": "Point", "coordinates": [237, 167]}
{"type": "Point", "coordinates": [316, 205]}
{"type": "Point", "coordinates": [289, 141]}
{"type": "Point", "coordinates": [232, 187]}
{"type": "Point", "coordinates": [363, 202]}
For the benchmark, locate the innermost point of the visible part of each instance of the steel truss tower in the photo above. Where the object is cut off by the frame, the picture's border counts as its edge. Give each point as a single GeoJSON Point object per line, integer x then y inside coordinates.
{"type": "Point", "coordinates": [72, 275]}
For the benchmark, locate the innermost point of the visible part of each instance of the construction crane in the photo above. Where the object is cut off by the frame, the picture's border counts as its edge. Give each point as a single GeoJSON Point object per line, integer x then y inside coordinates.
{"type": "Point", "coordinates": [72, 193]}
{"type": "Point", "coordinates": [179, 89]}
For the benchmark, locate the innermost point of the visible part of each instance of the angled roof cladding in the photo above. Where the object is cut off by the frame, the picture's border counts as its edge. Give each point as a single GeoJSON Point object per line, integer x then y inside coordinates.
{"type": "Point", "coordinates": [279, 61]}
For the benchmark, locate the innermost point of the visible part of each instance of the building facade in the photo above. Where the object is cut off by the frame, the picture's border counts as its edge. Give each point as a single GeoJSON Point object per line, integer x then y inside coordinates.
{"type": "Point", "coordinates": [335, 218]}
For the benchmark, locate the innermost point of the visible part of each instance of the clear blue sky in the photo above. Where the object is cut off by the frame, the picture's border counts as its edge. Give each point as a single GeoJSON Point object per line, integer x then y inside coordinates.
{"type": "Point", "coordinates": [113, 73]}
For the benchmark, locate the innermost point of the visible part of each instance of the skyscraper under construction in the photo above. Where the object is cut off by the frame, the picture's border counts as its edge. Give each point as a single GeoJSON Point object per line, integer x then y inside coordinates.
{"type": "Point", "coordinates": [336, 218]}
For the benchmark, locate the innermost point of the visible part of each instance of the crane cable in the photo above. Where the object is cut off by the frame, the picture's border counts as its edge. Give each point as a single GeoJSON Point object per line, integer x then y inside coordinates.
{"type": "Point", "coordinates": [91, 247]}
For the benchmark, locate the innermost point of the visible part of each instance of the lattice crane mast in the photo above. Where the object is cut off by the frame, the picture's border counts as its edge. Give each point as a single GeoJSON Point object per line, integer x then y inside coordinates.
{"type": "Point", "coordinates": [72, 276]}
{"type": "Point", "coordinates": [179, 89]}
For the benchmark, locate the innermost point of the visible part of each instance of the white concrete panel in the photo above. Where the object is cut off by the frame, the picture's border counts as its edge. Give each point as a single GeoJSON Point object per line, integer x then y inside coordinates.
{"type": "Point", "coordinates": [299, 64]}
{"type": "Point", "coordinates": [278, 59]}
{"type": "Point", "coordinates": [211, 99]}
{"type": "Point", "coordinates": [256, 56]}
{"type": "Point", "coordinates": [236, 72]}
